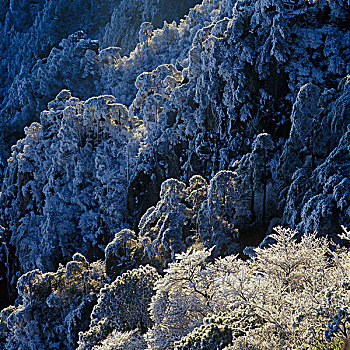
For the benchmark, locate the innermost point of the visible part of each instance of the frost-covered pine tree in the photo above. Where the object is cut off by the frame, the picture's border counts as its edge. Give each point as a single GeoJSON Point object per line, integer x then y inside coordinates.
{"type": "Point", "coordinates": [53, 307]}
{"type": "Point", "coordinates": [121, 306]}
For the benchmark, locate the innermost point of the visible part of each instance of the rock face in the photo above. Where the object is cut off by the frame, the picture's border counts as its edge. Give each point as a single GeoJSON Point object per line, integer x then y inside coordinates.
{"type": "Point", "coordinates": [209, 132]}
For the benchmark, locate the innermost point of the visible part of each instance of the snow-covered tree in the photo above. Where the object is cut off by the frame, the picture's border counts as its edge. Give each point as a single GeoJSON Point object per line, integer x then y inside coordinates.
{"type": "Point", "coordinates": [131, 340]}
{"type": "Point", "coordinates": [53, 307]}
{"type": "Point", "coordinates": [219, 330]}
{"type": "Point", "coordinates": [216, 215]}
{"type": "Point", "coordinates": [121, 306]}
{"type": "Point", "coordinates": [316, 180]}
{"type": "Point", "coordinates": [123, 253]}
{"type": "Point", "coordinates": [291, 295]}
{"type": "Point", "coordinates": [184, 296]}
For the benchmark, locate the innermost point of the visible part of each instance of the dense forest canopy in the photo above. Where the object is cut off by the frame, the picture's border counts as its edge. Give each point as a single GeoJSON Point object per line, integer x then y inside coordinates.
{"type": "Point", "coordinates": [183, 179]}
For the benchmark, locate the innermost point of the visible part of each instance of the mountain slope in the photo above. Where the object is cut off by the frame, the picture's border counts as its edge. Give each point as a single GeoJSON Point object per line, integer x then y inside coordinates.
{"type": "Point", "coordinates": [211, 131]}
